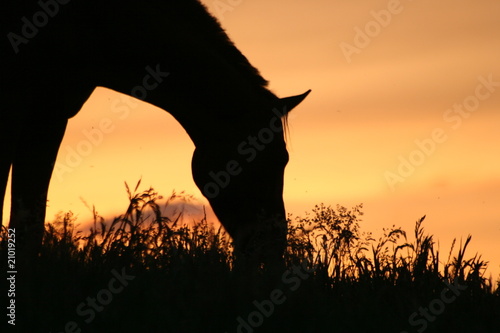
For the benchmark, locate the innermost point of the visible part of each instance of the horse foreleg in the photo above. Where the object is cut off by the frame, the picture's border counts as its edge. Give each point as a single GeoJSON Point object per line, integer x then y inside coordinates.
{"type": "Point", "coordinates": [10, 125]}
{"type": "Point", "coordinates": [32, 164]}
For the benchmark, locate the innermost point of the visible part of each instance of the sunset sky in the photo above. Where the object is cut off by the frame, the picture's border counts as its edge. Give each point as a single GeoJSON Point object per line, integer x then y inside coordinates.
{"type": "Point", "coordinates": [404, 117]}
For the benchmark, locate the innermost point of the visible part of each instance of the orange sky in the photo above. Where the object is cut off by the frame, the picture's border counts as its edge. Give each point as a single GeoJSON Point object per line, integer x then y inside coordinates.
{"type": "Point", "coordinates": [376, 93]}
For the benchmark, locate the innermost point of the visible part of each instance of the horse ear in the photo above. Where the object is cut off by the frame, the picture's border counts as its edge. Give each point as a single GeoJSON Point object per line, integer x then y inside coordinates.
{"type": "Point", "coordinates": [287, 104]}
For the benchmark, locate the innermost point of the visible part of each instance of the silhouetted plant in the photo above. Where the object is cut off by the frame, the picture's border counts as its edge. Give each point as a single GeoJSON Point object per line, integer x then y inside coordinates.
{"type": "Point", "coordinates": [184, 268]}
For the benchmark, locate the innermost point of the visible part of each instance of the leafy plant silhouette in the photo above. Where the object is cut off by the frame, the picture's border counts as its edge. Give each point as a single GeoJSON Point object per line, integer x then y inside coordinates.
{"type": "Point", "coordinates": [185, 282]}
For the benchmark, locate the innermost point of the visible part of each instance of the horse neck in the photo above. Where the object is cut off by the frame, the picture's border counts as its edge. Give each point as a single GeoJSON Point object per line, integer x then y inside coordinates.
{"type": "Point", "coordinates": [220, 121]}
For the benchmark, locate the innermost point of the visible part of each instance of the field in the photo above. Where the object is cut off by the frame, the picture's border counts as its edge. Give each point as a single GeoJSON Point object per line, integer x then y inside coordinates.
{"type": "Point", "coordinates": [144, 272]}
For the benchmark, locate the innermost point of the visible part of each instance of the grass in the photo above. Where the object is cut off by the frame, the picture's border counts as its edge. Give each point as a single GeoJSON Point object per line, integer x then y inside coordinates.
{"type": "Point", "coordinates": [178, 278]}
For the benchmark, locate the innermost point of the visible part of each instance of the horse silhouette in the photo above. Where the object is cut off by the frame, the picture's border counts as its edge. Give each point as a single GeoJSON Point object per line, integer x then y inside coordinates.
{"type": "Point", "coordinates": [172, 54]}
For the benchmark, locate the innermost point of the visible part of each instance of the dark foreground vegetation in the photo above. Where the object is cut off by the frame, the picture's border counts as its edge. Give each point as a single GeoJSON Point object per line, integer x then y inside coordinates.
{"type": "Point", "coordinates": [144, 272]}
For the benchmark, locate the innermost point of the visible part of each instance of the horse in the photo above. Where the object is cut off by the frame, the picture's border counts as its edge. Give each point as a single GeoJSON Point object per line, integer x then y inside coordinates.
{"type": "Point", "coordinates": [172, 54]}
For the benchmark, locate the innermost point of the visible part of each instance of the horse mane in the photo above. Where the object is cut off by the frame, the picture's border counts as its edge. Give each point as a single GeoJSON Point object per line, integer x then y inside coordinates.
{"type": "Point", "coordinates": [217, 35]}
